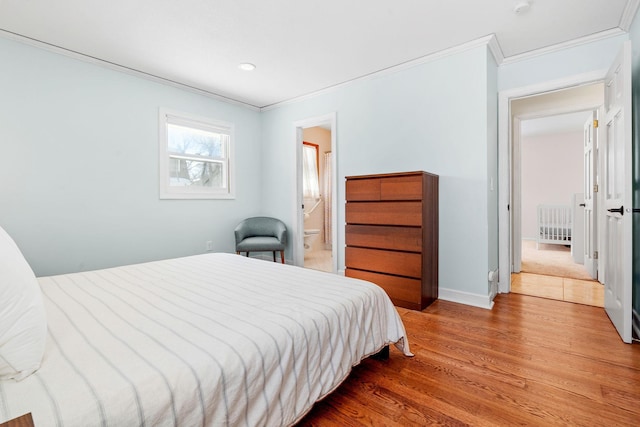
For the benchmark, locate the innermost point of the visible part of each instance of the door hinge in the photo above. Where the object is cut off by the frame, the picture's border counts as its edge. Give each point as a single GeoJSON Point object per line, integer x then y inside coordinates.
{"type": "Point", "coordinates": [595, 123]}
{"type": "Point", "coordinates": [595, 255]}
{"type": "Point", "coordinates": [595, 188]}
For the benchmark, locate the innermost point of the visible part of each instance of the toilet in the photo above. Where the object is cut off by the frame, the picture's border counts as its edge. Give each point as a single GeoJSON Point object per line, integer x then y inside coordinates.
{"type": "Point", "coordinates": [310, 236]}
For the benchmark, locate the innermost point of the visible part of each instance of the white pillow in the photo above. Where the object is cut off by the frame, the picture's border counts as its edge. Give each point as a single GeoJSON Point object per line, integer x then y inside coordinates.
{"type": "Point", "coordinates": [23, 322]}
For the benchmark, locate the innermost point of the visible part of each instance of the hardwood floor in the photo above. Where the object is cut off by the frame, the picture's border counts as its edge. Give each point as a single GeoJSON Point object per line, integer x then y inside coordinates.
{"type": "Point", "coordinates": [589, 292]}
{"type": "Point", "coordinates": [529, 361]}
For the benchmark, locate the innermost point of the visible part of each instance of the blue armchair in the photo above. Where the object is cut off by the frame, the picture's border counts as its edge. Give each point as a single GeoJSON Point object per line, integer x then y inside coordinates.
{"type": "Point", "coordinates": [260, 234]}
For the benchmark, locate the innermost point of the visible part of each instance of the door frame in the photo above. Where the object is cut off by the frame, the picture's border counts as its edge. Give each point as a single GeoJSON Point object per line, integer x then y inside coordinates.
{"type": "Point", "coordinates": [592, 240]}
{"type": "Point", "coordinates": [508, 167]}
{"type": "Point", "coordinates": [297, 232]}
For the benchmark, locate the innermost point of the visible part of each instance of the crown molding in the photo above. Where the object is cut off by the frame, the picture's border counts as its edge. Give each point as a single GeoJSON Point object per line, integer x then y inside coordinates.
{"type": "Point", "coordinates": [496, 50]}
{"type": "Point", "coordinates": [629, 14]}
{"type": "Point", "coordinates": [489, 41]}
{"type": "Point", "coordinates": [121, 68]}
{"type": "Point", "coordinates": [565, 45]}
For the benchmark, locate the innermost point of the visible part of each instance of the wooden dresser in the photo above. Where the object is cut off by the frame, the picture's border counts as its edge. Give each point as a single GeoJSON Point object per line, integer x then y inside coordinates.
{"type": "Point", "coordinates": [392, 235]}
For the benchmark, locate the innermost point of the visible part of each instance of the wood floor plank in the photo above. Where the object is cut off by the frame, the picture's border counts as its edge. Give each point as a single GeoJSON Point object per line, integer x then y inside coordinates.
{"type": "Point", "coordinates": [529, 361]}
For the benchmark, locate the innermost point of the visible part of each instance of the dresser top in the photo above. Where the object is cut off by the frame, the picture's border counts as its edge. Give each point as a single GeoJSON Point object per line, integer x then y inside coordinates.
{"type": "Point", "coordinates": [389, 175]}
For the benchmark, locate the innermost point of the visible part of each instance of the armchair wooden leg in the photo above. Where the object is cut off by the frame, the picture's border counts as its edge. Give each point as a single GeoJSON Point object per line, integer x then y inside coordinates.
{"type": "Point", "coordinates": [247, 253]}
{"type": "Point", "coordinates": [274, 256]}
{"type": "Point", "coordinates": [282, 256]}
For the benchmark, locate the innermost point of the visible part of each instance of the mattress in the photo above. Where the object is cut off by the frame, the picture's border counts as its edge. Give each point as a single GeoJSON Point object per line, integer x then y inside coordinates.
{"type": "Point", "coordinates": [207, 340]}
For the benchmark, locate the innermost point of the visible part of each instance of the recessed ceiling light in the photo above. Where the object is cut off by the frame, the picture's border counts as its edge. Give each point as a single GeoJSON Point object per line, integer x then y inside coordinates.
{"type": "Point", "coordinates": [247, 66]}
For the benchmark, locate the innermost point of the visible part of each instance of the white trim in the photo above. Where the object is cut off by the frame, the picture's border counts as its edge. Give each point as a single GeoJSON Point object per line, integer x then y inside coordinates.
{"type": "Point", "coordinates": [516, 195]}
{"type": "Point", "coordinates": [629, 13]}
{"type": "Point", "coordinates": [565, 45]}
{"type": "Point", "coordinates": [505, 164]}
{"type": "Point", "coordinates": [298, 224]}
{"type": "Point", "coordinates": [495, 49]}
{"type": "Point", "coordinates": [489, 40]}
{"type": "Point", "coordinates": [121, 68]}
{"type": "Point", "coordinates": [475, 300]}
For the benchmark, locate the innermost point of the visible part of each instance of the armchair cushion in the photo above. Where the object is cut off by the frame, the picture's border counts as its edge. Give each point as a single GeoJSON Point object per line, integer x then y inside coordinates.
{"type": "Point", "coordinates": [259, 243]}
{"type": "Point", "coordinates": [261, 234]}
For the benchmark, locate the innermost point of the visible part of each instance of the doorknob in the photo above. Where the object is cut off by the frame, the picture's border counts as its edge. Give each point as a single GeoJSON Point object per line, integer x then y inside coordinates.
{"type": "Point", "coordinates": [582, 205]}
{"type": "Point", "coordinates": [620, 210]}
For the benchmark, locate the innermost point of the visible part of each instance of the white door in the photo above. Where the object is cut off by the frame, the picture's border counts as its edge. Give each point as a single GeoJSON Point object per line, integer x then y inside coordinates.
{"type": "Point", "coordinates": [616, 177]}
{"type": "Point", "coordinates": [590, 203]}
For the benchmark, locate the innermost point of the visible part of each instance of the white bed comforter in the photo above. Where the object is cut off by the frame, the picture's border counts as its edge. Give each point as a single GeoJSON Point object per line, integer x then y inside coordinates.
{"type": "Point", "coordinates": [208, 340]}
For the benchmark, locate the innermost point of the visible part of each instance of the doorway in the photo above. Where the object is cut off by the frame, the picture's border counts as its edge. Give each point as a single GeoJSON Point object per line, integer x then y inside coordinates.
{"type": "Point", "coordinates": [315, 233]}
{"type": "Point", "coordinates": [555, 110]}
{"type": "Point", "coordinates": [579, 93]}
{"type": "Point", "coordinates": [316, 198]}
{"type": "Point", "coordinates": [615, 223]}
{"type": "Point", "coordinates": [555, 154]}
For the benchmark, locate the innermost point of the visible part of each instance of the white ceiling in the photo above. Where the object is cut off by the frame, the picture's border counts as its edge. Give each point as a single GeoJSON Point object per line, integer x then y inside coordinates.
{"type": "Point", "coordinates": [298, 46]}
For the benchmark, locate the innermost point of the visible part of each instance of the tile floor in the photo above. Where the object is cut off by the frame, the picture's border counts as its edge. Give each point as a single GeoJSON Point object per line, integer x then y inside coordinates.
{"type": "Point", "coordinates": [318, 260]}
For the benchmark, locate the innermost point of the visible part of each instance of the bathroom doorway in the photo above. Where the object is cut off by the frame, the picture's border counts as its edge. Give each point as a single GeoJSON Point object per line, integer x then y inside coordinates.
{"type": "Point", "coordinates": [314, 234]}
{"type": "Point", "coordinates": [316, 198]}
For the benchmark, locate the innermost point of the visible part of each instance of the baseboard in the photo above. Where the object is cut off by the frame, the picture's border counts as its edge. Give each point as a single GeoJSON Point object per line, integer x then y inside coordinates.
{"type": "Point", "coordinates": [475, 300]}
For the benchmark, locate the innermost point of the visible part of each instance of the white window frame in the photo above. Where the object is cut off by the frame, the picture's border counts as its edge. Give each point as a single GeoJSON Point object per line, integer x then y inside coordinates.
{"type": "Point", "coordinates": [167, 191]}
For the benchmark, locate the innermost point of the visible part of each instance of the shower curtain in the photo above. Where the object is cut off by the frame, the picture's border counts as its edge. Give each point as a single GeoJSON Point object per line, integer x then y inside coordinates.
{"type": "Point", "coordinates": [327, 200]}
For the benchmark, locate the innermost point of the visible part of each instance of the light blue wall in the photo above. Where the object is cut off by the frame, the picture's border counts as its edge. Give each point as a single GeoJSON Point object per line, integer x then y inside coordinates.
{"type": "Point", "coordinates": [79, 175]}
{"type": "Point", "coordinates": [430, 117]}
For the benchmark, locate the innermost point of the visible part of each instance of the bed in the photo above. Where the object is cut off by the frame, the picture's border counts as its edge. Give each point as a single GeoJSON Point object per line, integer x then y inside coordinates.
{"type": "Point", "coordinates": [554, 225]}
{"type": "Point", "coordinates": [206, 340]}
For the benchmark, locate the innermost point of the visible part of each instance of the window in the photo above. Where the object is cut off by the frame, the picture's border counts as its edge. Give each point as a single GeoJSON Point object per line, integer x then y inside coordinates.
{"type": "Point", "coordinates": [195, 157]}
{"type": "Point", "coordinates": [310, 166]}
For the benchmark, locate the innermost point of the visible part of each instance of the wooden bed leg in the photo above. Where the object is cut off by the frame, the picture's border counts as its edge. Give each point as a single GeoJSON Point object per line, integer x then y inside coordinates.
{"type": "Point", "coordinates": [382, 354]}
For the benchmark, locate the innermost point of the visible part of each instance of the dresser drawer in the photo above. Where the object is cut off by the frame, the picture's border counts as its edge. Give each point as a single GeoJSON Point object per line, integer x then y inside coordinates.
{"type": "Point", "coordinates": [363, 190]}
{"type": "Point", "coordinates": [384, 213]}
{"type": "Point", "coordinates": [385, 237]}
{"type": "Point", "coordinates": [381, 261]}
{"type": "Point", "coordinates": [403, 291]}
{"type": "Point", "coordinates": [401, 188]}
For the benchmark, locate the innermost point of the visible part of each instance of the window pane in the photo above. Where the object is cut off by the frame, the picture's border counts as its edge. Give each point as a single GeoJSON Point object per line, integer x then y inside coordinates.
{"type": "Point", "coordinates": [186, 140]}
{"type": "Point", "coordinates": [191, 173]}
{"type": "Point", "coordinates": [310, 183]}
